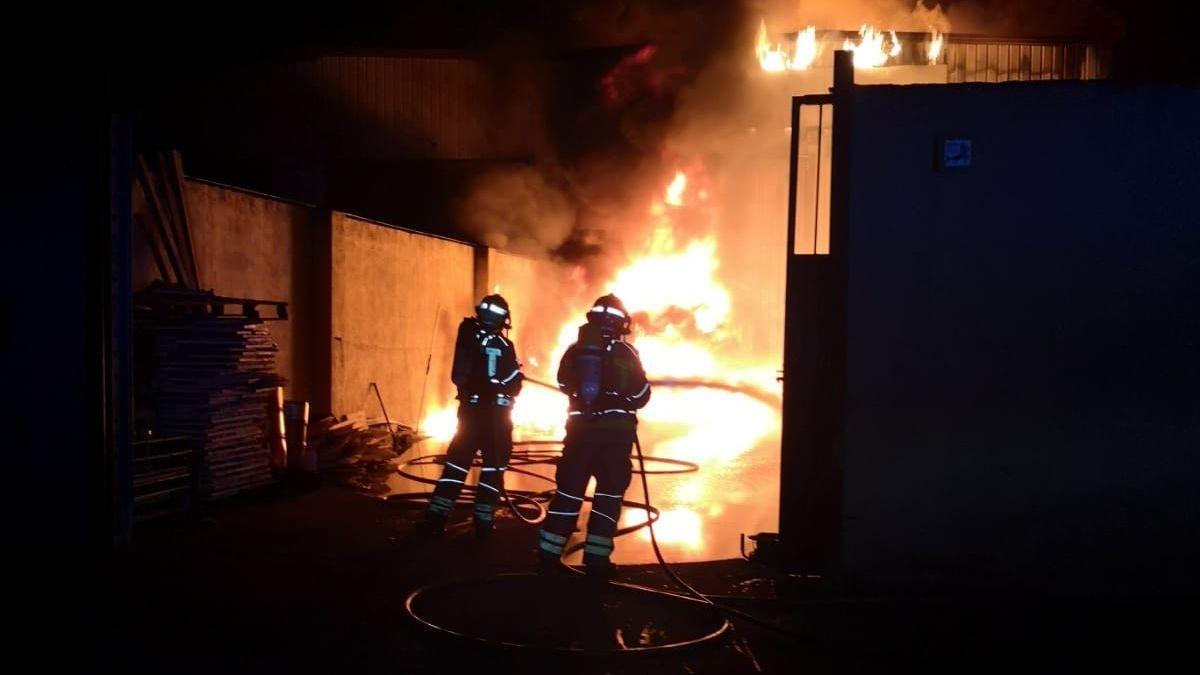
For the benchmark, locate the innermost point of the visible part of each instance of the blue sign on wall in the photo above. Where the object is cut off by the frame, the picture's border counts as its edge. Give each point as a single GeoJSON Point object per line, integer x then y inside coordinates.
{"type": "Point", "coordinates": [955, 153]}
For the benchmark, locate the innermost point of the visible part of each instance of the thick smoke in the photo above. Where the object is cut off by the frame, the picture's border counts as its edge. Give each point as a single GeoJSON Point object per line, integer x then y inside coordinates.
{"type": "Point", "coordinates": [646, 89]}
{"type": "Point", "coordinates": [998, 18]}
{"type": "Point", "coordinates": [900, 15]}
{"type": "Point", "coordinates": [652, 83]}
{"type": "Point", "coordinates": [516, 209]}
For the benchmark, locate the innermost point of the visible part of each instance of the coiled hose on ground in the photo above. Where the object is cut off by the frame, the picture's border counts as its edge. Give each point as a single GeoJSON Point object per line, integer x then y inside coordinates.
{"type": "Point", "coordinates": [534, 452]}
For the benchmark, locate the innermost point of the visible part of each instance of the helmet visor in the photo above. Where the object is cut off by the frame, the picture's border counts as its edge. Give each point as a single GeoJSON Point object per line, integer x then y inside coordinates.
{"type": "Point", "coordinates": [491, 314]}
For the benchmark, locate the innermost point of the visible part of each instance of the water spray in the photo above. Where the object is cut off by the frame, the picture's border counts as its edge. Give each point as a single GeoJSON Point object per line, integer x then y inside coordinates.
{"type": "Point", "coordinates": [752, 391]}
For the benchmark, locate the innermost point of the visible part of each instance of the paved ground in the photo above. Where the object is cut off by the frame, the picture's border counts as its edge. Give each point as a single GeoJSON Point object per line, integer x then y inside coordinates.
{"type": "Point", "coordinates": [316, 582]}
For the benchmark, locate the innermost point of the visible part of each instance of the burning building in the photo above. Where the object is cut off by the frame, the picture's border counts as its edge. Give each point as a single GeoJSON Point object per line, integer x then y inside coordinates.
{"type": "Point", "coordinates": [915, 288]}
{"type": "Point", "coordinates": [665, 182]}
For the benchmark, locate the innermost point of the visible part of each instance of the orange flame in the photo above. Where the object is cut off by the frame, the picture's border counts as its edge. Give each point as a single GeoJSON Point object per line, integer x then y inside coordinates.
{"type": "Point", "coordinates": [440, 424]}
{"type": "Point", "coordinates": [806, 49]}
{"type": "Point", "coordinates": [668, 277]}
{"type": "Point", "coordinates": [870, 51]}
{"type": "Point", "coordinates": [668, 280]}
{"type": "Point", "coordinates": [674, 194]}
{"type": "Point", "coordinates": [681, 526]}
{"type": "Point", "coordinates": [774, 58]}
{"type": "Point", "coordinates": [936, 39]}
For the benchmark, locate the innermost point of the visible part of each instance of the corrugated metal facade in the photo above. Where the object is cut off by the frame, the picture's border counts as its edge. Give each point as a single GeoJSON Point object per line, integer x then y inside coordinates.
{"type": "Point", "coordinates": [371, 107]}
{"type": "Point", "coordinates": [384, 106]}
{"type": "Point", "coordinates": [988, 61]}
{"type": "Point", "coordinates": [982, 59]}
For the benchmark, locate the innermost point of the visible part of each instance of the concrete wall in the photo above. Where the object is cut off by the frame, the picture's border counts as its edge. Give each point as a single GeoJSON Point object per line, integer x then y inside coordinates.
{"type": "Point", "coordinates": [367, 301]}
{"type": "Point", "coordinates": [254, 246]}
{"type": "Point", "coordinates": [1024, 340]}
{"type": "Point", "coordinates": [395, 295]}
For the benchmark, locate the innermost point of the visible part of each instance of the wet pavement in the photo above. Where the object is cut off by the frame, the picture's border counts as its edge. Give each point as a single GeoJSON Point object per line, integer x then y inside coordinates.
{"type": "Point", "coordinates": [318, 581]}
{"type": "Point", "coordinates": [528, 610]}
{"type": "Point", "coordinates": [315, 581]}
{"type": "Point", "coordinates": [703, 512]}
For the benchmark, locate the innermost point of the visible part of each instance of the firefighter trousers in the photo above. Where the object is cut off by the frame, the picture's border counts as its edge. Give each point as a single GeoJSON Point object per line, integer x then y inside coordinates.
{"type": "Point", "coordinates": [485, 429]}
{"type": "Point", "coordinates": [593, 447]}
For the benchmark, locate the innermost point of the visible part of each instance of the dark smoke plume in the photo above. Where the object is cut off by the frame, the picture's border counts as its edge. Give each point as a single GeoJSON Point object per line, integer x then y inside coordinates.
{"type": "Point", "coordinates": [640, 84]}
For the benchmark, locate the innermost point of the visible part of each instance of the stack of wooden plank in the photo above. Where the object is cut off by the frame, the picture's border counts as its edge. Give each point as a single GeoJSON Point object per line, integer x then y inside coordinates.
{"type": "Point", "coordinates": [160, 211]}
{"type": "Point", "coordinates": [213, 379]}
{"type": "Point", "coordinates": [336, 439]}
{"type": "Point", "coordinates": [212, 370]}
{"type": "Point", "coordinates": [359, 452]}
{"type": "Point", "coordinates": [162, 477]}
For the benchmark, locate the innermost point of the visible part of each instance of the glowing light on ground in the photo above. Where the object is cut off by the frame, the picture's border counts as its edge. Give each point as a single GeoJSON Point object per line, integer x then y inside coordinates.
{"type": "Point", "coordinates": [681, 526]}
{"type": "Point", "coordinates": [721, 426]}
{"type": "Point", "coordinates": [441, 424]}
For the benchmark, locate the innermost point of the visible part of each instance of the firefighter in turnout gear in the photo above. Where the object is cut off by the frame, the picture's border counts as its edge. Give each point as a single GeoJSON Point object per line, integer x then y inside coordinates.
{"type": "Point", "coordinates": [603, 376]}
{"type": "Point", "coordinates": [488, 377]}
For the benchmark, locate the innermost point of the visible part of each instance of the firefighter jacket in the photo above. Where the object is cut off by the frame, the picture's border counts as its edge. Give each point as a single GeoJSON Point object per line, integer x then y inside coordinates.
{"type": "Point", "coordinates": [603, 377]}
{"type": "Point", "coordinates": [486, 370]}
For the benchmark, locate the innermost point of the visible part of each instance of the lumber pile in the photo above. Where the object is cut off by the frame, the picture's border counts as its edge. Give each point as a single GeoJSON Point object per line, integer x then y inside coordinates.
{"type": "Point", "coordinates": [162, 477]}
{"type": "Point", "coordinates": [211, 371]}
{"type": "Point", "coordinates": [212, 382]}
{"type": "Point", "coordinates": [160, 212]}
{"type": "Point", "coordinates": [359, 452]}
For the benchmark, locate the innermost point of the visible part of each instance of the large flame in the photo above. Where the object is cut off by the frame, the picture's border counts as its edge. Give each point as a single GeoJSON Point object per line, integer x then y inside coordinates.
{"type": "Point", "coordinates": [806, 49]}
{"type": "Point", "coordinates": [683, 310]}
{"type": "Point", "coordinates": [871, 51]}
{"type": "Point", "coordinates": [440, 424]}
{"type": "Point", "coordinates": [670, 276]}
{"type": "Point", "coordinates": [774, 58]}
{"type": "Point", "coordinates": [674, 196]}
{"type": "Point", "coordinates": [936, 39]}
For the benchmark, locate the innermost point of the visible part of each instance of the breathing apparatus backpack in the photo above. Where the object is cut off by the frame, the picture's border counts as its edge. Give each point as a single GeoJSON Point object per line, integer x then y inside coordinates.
{"type": "Point", "coordinates": [590, 363]}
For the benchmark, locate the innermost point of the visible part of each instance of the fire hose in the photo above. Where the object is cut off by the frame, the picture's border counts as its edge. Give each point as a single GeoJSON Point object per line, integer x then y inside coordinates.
{"type": "Point", "coordinates": [524, 458]}
{"type": "Point", "coordinates": [538, 500]}
{"type": "Point", "coordinates": [666, 566]}
{"type": "Point", "coordinates": [535, 499]}
{"type": "Point", "coordinates": [531, 456]}
{"type": "Point", "coordinates": [752, 391]}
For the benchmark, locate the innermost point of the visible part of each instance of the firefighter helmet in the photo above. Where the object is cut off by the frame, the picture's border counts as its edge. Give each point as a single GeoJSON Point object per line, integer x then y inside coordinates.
{"type": "Point", "coordinates": [492, 312]}
{"type": "Point", "coordinates": [610, 315]}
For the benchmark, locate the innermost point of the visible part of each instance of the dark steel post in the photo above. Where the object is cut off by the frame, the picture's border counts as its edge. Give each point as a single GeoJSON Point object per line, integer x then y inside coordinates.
{"type": "Point", "coordinates": [810, 516]}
